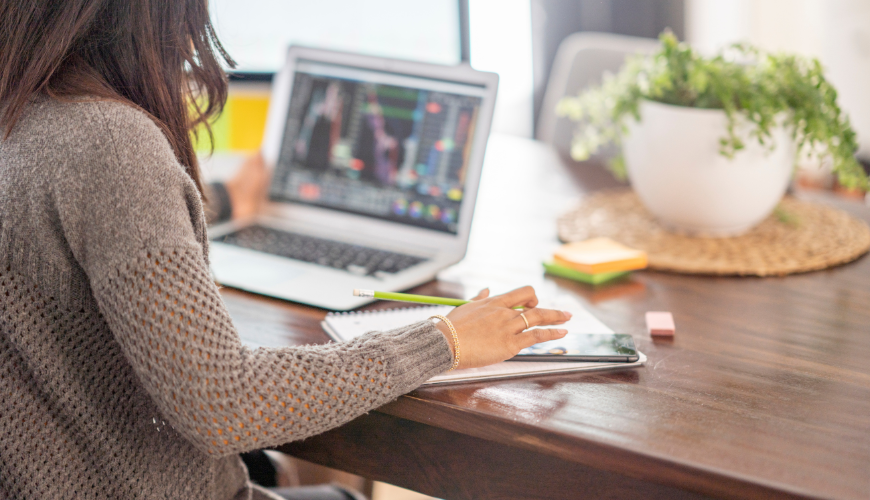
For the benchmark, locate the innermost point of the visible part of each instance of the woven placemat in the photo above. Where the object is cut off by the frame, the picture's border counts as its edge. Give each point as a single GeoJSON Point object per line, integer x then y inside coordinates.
{"type": "Point", "coordinates": [800, 236]}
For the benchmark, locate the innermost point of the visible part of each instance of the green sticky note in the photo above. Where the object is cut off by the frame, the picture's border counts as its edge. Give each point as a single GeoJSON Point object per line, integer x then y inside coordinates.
{"type": "Point", "coordinates": [573, 274]}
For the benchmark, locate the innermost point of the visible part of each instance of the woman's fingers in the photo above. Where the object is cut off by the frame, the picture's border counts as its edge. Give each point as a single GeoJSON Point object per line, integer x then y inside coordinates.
{"type": "Point", "coordinates": [538, 335]}
{"type": "Point", "coordinates": [524, 296]}
{"type": "Point", "coordinates": [489, 321]}
{"type": "Point", "coordinates": [538, 316]}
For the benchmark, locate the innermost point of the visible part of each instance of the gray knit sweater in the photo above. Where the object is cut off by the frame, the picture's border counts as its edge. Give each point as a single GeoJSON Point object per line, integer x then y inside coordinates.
{"type": "Point", "coordinates": [121, 374]}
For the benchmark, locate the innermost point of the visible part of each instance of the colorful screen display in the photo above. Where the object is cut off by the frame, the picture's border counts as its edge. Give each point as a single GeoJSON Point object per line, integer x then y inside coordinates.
{"type": "Point", "coordinates": [377, 144]}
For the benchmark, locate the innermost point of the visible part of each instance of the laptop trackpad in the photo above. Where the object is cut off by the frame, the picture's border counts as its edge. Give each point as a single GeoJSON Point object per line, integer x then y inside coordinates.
{"type": "Point", "coordinates": [259, 272]}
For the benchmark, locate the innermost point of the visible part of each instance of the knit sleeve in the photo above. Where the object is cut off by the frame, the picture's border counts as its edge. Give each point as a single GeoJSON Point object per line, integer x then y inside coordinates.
{"type": "Point", "coordinates": [134, 223]}
{"type": "Point", "coordinates": [172, 325]}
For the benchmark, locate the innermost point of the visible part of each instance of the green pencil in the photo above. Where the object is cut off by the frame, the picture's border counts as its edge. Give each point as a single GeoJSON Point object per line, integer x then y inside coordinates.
{"type": "Point", "coordinates": [409, 297]}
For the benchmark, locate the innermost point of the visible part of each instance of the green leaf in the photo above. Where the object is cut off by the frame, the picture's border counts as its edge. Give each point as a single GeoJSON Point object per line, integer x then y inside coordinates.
{"type": "Point", "coordinates": [748, 84]}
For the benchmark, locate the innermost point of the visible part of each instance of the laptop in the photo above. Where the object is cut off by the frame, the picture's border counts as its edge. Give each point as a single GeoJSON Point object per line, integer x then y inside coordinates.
{"type": "Point", "coordinates": [375, 169]}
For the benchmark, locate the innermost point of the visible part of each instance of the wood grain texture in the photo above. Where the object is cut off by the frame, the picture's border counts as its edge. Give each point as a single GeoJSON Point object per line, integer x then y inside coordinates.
{"type": "Point", "coordinates": [763, 393]}
{"type": "Point", "coordinates": [425, 458]}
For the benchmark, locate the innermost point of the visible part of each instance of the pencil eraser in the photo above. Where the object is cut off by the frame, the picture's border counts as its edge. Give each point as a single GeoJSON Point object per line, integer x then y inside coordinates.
{"type": "Point", "coordinates": [660, 324]}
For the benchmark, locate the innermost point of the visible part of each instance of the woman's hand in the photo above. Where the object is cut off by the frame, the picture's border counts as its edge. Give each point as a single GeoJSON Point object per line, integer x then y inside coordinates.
{"type": "Point", "coordinates": [247, 189]}
{"type": "Point", "coordinates": [490, 331]}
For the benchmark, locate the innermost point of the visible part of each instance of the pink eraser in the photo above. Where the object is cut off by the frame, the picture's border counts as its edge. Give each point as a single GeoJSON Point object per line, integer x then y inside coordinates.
{"type": "Point", "coordinates": [660, 323]}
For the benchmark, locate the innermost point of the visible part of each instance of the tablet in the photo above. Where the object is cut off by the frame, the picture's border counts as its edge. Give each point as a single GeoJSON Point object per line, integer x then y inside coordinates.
{"type": "Point", "coordinates": [593, 347]}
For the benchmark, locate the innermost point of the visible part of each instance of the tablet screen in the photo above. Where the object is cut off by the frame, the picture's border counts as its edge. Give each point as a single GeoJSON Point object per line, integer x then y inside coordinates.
{"type": "Point", "coordinates": [380, 144]}
{"type": "Point", "coordinates": [585, 345]}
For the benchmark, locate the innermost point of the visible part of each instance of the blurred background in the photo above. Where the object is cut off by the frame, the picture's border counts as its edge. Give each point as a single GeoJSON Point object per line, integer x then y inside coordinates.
{"type": "Point", "coordinates": [520, 40]}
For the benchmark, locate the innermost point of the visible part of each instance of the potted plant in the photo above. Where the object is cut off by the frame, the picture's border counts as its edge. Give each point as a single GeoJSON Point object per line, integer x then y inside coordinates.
{"type": "Point", "coordinates": [709, 143]}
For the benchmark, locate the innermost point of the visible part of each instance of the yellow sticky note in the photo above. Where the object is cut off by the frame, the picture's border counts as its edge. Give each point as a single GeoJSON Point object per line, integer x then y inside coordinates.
{"type": "Point", "coordinates": [599, 255]}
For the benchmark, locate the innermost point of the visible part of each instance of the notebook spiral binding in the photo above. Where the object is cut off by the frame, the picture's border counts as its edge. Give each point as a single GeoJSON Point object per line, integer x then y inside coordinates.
{"type": "Point", "coordinates": [379, 311]}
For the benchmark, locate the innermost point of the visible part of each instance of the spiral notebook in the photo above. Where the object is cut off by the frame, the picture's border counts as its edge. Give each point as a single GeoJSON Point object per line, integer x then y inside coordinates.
{"type": "Point", "coordinates": [349, 325]}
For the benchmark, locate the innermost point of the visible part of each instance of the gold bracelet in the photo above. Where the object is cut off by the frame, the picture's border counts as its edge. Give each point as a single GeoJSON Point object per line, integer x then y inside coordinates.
{"type": "Point", "coordinates": [455, 339]}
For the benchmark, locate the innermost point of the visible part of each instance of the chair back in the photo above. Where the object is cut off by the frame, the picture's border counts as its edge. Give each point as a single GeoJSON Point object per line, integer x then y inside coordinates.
{"type": "Point", "coordinates": [581, 61]}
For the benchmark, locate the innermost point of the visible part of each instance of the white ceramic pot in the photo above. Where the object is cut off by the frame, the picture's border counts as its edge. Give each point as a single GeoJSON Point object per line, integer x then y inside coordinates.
{"type": "Point", "coordinates": [673, 162]}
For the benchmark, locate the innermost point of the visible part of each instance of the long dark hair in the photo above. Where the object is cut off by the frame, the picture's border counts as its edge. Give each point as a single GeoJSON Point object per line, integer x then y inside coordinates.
{"type": "Point", "coordinates": [160, 56]}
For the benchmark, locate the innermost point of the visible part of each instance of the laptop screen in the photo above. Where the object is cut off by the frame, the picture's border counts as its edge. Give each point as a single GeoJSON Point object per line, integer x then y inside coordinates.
{"type": "Point", "coordinates": [385, 145]}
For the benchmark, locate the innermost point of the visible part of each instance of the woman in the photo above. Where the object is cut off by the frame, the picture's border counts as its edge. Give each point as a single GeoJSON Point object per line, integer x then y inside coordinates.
{"type": "Point", "coordinates": [121, 373]}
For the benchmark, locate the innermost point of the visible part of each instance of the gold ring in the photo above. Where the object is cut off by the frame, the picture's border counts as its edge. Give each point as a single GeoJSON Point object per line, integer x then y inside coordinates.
{"type": "Point", "coordinates": [522, 315]}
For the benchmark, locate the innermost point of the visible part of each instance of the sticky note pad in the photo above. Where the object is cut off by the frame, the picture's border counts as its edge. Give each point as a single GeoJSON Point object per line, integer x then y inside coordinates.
{"type": "Point", "coordinates": [660, 324]}
{"type": "Point", "coordinates": [599, 255]}
{"type": "Point", "coordinates": [573, 274]}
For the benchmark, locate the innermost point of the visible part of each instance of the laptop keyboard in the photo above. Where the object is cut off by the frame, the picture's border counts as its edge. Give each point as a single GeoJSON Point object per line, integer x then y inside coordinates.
{"type": "Point", "coordinates": [353, 258]}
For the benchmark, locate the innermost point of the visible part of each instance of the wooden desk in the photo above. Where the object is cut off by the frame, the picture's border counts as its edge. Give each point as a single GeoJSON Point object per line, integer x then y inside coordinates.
{"type": "Point", "coordinates": [764, 392]}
